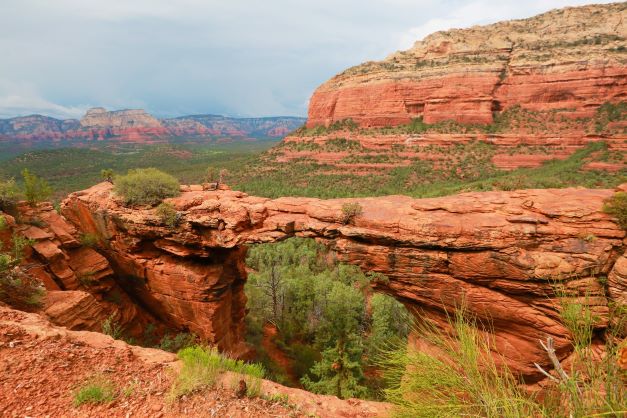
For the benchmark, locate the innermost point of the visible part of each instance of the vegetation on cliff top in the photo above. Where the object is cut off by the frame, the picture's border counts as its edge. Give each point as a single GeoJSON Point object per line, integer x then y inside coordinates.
{"type": "Point", "coordinates": [146, 186]}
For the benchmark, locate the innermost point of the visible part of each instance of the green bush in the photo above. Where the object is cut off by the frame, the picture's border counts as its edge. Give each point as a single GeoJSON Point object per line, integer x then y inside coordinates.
{"type": "Point", "coordinates": [168, 214]}
{"type": "Point", "coordinates": [89, 240]}
{"type": "Point", "coordinates": [36, 189]}
{"type": "Point", "coordinates": [465, 382]}
{"type": "Point", "coordinates": [617, 207]}
{"type": "Point", "coordinates": [96, 390]}
{"type": "Point", "coordinates": [178, 342]}
{"type": "Point", "coordinates": [107, 175]}
{"type": "Point", "coordinates": [203, 365]}
{"type": "Point", "coordinates": [146, 186]}
{"type": "Point", "coordinates": [9, 193]}
{"type": "Point", "coordinates": [350, 211]}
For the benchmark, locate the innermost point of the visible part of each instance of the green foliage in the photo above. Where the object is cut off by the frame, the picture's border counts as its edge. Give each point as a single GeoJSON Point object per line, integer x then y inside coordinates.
{"type": "Point", "coordinates": [167, 214]}
{"type": "Point", "coordinates": [112, 328]}
{"type": "Point", "coordinates": [318, 307]}
{"type": "Point", "coordinates": [96, 390]}
{"type": "Point", "coordinates": [107, 174]}
{"type": "Point", "coordinates": [3, 223]}
{"type": "Point", "coordinates": [465, 381]}
{"type": "Point", "coordinates": [36, 189]}
{"type": "Point", "coordinates": [89, 240]}
{"type": "Point", "coordinates": [617, 207]}
{"type": "Point", "coordinates": [212, 174]}
{"type": "Point", "coordinates": [147, 186]}
{"type": "Point", "coordinates": [391, 322]}
{"type": "Point", "coordinates": [350, 211]}
{"type": "Point", "coordinates": [178, 342]}
{"type": "Point", "coordinates": [610, 112]}
{"type": "Point", "coordinates": [203, 365]}
{"type": "Point", "coordinates": [9, 193]}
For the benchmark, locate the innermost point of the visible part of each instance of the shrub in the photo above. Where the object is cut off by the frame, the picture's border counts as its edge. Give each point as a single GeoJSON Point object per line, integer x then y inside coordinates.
{"type": "Point", "coordinates": [147, 186]}
{"type": "Point", "coordinates": [36, 189]}
{"type": "Point", "coordinates": [88, 240]}
{"type": "Point", "coordinates": [112, 328]}
{"type": "Point", "coordinates": [3, 223]}
{"type": "Point", "coordinates": [617, 207]}
{"type": "Point", "coordinates": [98, 389]}
{"type": "Point", "coordinates": [9, 194]}
{"type": "Point", "coordinates": [107, 175]}
{"type": "Point", "coordinates": [468, 383]}
{"type": "Point", "coordinates": [350, 211]}
{"type": "Point", "coordinates": [203, 365]}
{"type": "Point", "coordinates": [178, 342]}
{"type": "Point", "coordinates": [17, 289]}
{"type": "Point", "coordinates": [167, 214]}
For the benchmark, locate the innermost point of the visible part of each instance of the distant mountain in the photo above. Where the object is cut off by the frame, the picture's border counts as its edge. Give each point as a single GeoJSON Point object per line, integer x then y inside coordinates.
{"type": "Point", "coordinates": [138, 126]}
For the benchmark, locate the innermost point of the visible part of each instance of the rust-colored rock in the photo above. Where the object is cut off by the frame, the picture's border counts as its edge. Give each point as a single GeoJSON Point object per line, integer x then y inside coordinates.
{"type": "Point", "coordinates": [563, 59]}
{"type": "Point", "coordinates": [498, 252]}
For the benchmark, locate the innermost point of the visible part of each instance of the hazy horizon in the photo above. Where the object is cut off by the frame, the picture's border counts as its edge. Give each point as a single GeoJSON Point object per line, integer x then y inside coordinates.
{"type": "Point", "coordinates": [186, 57]}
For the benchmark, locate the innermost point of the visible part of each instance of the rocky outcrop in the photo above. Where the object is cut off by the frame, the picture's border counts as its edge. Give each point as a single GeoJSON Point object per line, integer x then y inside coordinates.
{"type": "Point", "coordinates": [42, 365]}
{"type": "Point", "coordinates": [570, 59]}
{"type": "Point", "coordinates": [81, 290]}
{"type": "Point", "coordinates": [499, 253]}
{"type": "Point", "coordinates": [136, 125]}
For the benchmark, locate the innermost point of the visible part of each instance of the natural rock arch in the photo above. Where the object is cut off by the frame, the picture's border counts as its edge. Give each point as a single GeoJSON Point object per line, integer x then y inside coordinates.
{"type": "Point", "coordinates": [499, 252]}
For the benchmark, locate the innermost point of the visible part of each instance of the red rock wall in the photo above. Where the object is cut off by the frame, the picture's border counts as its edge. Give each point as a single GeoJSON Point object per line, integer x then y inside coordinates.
{"type": "Point", "coordinates": [499, 253]}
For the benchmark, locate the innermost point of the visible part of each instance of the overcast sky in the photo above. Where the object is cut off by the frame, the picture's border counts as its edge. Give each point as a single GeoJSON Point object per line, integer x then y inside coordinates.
{"type": "Point", "coordinates": [232, 57]}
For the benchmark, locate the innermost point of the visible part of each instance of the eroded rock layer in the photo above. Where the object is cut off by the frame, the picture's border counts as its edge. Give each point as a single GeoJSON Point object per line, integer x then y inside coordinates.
{"type": "Point", "coordinates": [499, 253]}
{"type": "Point", "coordinates": [570, 59]}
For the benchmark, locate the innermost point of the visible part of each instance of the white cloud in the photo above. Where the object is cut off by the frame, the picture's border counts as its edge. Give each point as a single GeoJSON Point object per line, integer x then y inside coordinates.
{"type": "Point", "coordinates": [240, 57]}
{"type": "Point", "coordinates": [22, 99]}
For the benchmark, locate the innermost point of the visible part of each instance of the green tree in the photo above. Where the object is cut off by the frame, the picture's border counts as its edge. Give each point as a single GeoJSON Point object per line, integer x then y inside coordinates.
{"type": "Point", "coordinates": [36, 189]}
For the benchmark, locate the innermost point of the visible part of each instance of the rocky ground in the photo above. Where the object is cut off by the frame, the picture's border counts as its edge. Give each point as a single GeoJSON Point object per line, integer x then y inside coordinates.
{"type": "Point", "coordinates": [41, 367]}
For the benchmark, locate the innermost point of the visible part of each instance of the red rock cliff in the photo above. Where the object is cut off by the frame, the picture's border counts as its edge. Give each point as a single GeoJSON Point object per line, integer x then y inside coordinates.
{"type": "Point", "coordinates": [498, 252]}
{"type": "Point", "coordinates": [571, 59]}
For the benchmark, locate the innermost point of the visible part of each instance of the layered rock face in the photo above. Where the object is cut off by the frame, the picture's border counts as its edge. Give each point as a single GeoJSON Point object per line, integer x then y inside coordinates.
{"type": "Point", "coordinates": [570, 59]}
{"type": "Point", "coordinates": [136, 125]}
{"type": "Point", "coordinates": [81, 292]}
{"type": "Point", "coordinates": [501, 254]}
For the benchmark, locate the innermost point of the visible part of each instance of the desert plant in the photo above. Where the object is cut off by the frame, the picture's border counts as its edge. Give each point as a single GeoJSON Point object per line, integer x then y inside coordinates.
{"type": "Point", "coordinates": [97, 389]}
{"type": "Point", "coordinates": [88, 240]}
{"type": "Point", "coordinates": [147, 186]}
{"type": "Point", "coordinates": [350, 211]}
{"type": "Point", "coordinates": [617, 207]}
{"type": "Point", "coordinates": [203, 365]}
{"type": "Point", "coordinates": [107, 175]}
{"type": "Point", "coordinates": [167, 214]}
{"type": "Point", "coordinates": [178, 342]}
{"type": "Point", "coordinates": [9, 194]}
{"type": "Point", "coordinates": [112, 328]}
{"type": "Point", "coordinates": [211, 175]}
{"type": "Point", "coordinates": [463, 381]}
{"type": "Point", "coordinates": [36, 189]}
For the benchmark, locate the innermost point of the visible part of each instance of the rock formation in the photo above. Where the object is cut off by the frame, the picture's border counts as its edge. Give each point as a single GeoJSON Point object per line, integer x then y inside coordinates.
{"type": "Point", "coordinates": [534, 89]}
{"type": "Point", "coordinates": [570, 59]}
{"type": "Point", "coordinates": [136, 125]}
{"type": "Point", "coordinates": [499, 253]}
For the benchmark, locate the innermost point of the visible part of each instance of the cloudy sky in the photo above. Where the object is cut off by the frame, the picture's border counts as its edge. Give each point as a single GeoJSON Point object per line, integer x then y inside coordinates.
{"type": "Point", "coordinates": [235, 57]}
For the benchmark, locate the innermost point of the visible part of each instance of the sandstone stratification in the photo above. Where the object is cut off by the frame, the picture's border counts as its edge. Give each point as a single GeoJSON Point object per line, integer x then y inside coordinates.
{"type": "Point", "coordinates": [571, 59]}
{"type": "Point", "coordinates": [500, 253]}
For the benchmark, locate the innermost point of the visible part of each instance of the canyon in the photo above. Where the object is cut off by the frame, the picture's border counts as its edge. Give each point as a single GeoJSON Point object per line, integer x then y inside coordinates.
{"type": "Point", "coordinates": [138, 126]}
{"type": "Point", "coordinates": [503, 255]}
